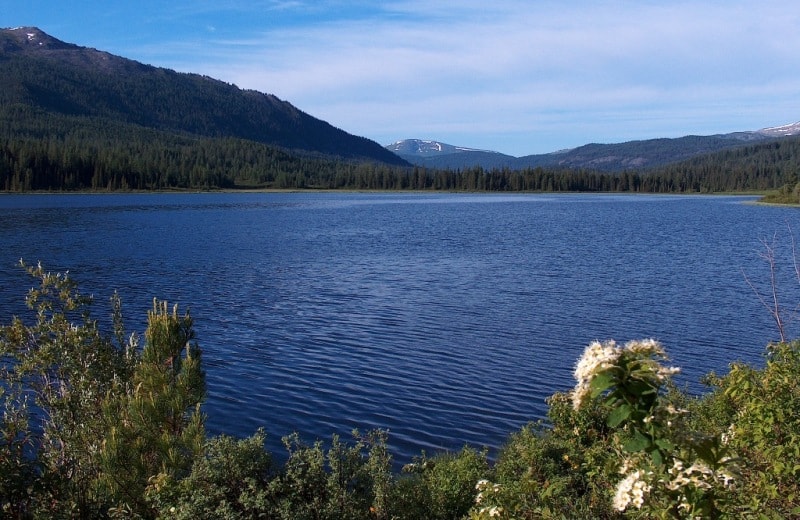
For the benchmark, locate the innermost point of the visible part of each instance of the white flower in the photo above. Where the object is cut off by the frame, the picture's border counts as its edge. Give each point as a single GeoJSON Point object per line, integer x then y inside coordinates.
{"type": "Point", "coordinates": [726, 478]}
{"type": "Point", "coordinates": [676, 411]}
{"type": "Point", "coordinates": [579, 395]}
{"type": "Point", "coordinates": [631, 490]}
{"type": "Point", "coordinates": [596, 357]}
{"type": "Point", "coordinates": [627, 465]}
{"type": "Point", "coordinates": [649, 347]}
{"type": "Point", "coordinates": [698, 475]}
{"type": "Point", "coordinates": [664, 373]}
{"type": "Point", "coordinates": [728, 435]}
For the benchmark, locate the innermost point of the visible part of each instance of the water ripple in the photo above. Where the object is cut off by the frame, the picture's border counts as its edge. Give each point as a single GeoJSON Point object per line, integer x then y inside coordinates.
{"type": "Point", "coordinates": [446, 319]}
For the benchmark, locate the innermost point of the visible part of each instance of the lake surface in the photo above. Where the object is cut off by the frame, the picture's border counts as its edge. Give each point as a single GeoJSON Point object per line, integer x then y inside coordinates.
{"type": "Point", "coordinates": [445, 318]}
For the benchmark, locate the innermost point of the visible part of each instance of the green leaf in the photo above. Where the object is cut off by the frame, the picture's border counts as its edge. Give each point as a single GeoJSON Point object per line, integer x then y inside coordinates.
{"type": "Point", "coordinates": [658, 459]}
{"type": "Point", "coordinates": [664, 444]}
{"type": "Point", "coordinates": [600, 383]}
{"type": "Point", "coordinates": [706, 449]}
{"type": "Point", "coordinates": [641, 387]}
{"type": "Point", "coordinates": [618, 415]}
{"type": "Point", "coordinates": [639, 442]}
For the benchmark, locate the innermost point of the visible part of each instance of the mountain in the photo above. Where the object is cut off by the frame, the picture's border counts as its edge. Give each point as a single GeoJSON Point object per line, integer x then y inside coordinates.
{"type": "Point", "coordinates": [781, 131]}
{"type": "Point", "coordinates": [435, 154]}
{"type": "Point", "coordinates": [46, 76]}
{"type": "Point", "coordinates": [631, 155]}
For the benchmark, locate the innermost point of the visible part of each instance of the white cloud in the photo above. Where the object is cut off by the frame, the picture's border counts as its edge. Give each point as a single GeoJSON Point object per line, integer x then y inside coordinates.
{"type": "Point", "coordinates": [509, 67]}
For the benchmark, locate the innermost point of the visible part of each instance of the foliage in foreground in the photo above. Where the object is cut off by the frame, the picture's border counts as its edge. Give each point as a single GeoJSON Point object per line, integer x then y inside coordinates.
{"type": "Point", "coordinates": [95, 426]}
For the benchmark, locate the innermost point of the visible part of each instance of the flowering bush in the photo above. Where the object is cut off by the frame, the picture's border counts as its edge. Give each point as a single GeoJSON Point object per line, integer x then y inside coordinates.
{"type": "Point", "coordinates": [486, 492]}
{"type": "Point", "coordinates": [557, 468]}
{"type": "Point", "coordinates": [685, 474]}
{"type": "Point", "coordinates": [95, 426]}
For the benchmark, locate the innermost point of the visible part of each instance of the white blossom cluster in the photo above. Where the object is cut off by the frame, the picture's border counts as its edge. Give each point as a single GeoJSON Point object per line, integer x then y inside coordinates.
{"type": "Point", "coordinates": [664, 373]}
{"type": "Point", "coordinates": [484, 488]}
{"type": "Point", "coordinates": [728, 435]}
{"type": "Point", "coordinates": [632, 490]}
{"type": "Point", "coordinates": [597, 357]}
{"type": "Point", "coordinates": [698, 475]}
{"type": "Point", "coordinates": [601, 356]}
{"type": "Point", "coordinates": [647, 347]}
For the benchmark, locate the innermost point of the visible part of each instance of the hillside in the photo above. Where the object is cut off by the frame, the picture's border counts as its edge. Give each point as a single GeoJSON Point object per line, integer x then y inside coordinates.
{"type": "Point", "coordinates": [44, 78]}
{"type": "Point", "coordinates": [435, 154]}
{"type": "Point", "coordinates": [612, 158]}
{"type": "Point", "coordinates": [73, 118]}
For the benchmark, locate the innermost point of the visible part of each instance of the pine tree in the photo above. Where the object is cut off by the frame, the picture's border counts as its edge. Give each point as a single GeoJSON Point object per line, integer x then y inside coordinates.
{"type": "Point", "coordinates": [156, 425]}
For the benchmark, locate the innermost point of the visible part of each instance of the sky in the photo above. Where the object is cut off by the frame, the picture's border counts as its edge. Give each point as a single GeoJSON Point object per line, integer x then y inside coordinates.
{"type": "Point", "coordinates": [515, 76]}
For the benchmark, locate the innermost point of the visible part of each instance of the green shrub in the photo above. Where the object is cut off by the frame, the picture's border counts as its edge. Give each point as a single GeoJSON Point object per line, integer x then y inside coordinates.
{"type": "Point", "coordinates": [108, 418]}
{"type": "Point", "coordinates": [347, 481]}
{"type": "Point", "coordinates": [440, 487]}
{"type": "Point", "coordinates": [228, 482]}
{"type": "Point", "coordinates": [558, 469]}
{"type": "Point", "coordinates": [758, 413]}
{"type": "Point", "coordinates": [92, 427]}
{"type": "Point", "coordinates": [63, 367]}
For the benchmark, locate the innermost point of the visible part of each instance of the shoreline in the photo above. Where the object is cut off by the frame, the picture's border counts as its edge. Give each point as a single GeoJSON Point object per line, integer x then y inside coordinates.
{"type": "Point", "coordinates": [415, 192]}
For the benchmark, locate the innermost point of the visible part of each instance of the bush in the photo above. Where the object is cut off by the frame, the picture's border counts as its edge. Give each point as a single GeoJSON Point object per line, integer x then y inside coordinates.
{"type": "Point", "coordinates": [107, 417]}
{"type": "Point", "coordinates": [94, 427]}
{"type": "Point", "coordinates": [757, 411]}
{"type": "Point", "coordinates": [228, 482]}
{"type": "Point", "coordinates": [440, 487]}
{"type": "Point", "coordinates": [557, 469]}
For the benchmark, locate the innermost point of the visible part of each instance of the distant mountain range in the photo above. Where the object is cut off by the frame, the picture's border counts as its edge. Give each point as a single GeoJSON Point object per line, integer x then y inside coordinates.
{"type": "Point", "coordinates": [44, 75]}
{"type": "Point", "coordinates": [632, 155]}
{"type": "Point", "coordinates": [75, 118]}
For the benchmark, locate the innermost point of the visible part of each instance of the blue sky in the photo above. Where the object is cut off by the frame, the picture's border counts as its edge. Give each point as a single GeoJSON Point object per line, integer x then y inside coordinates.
{"type": "Point", "coordinates": [516, 76]}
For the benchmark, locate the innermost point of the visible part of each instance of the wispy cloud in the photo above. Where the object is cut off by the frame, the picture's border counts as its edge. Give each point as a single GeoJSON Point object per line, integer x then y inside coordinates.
{"type": "Point", "coordinates": [515, 69]}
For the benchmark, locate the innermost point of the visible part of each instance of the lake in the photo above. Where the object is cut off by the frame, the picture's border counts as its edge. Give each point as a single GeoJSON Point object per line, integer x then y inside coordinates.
{"type": "Point", "coordinates": [446, 319]}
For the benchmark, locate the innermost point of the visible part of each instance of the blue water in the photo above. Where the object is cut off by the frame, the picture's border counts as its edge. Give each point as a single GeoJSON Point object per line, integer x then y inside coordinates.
{"type": "Point", "coordinates": [446, 319]}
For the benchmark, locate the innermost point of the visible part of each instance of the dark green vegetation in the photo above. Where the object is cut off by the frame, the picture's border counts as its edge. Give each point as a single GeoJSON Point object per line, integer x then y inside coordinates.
{"type": "Point", "coordinates": [73, 118]}
{"type": "Point", "coordinates": [94, 425]}
{"type": "Point", "coordinates": [788, 194]}
{"type": "Point", "coordinates": [610, 158]}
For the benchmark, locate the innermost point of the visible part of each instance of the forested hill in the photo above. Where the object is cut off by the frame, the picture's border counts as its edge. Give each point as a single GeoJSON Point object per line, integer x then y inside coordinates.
{"type": "Point", "coordinates": [42, 78]}
{"type": "Point", "coordinates": [73, 118]}
{"type": "Point", "coordinates": [609, 158]}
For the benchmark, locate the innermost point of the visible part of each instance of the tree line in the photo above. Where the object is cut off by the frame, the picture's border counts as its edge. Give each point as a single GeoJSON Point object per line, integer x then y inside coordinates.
{"type": "Point", "coordinates": [51, 152]}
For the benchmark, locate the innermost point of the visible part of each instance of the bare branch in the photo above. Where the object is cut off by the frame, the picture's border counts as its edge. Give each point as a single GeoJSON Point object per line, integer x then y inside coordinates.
{"type": "Point", "coordinates": [773, 307]}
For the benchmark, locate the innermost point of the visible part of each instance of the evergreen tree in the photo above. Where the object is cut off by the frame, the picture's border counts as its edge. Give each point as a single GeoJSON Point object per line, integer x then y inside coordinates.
{"type": "Point", "coordinates": [87, 422]}
{"type": "Point", "coordinates": [156, 427]}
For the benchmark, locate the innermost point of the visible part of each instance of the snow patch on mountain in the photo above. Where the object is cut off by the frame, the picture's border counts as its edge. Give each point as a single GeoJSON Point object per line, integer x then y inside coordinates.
{"type": "Point", "coordinates": [783, 130]}
{"type": "Point", "coordinates": [429, 148]}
